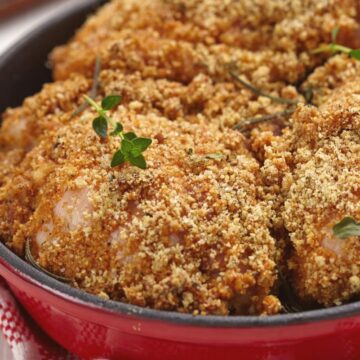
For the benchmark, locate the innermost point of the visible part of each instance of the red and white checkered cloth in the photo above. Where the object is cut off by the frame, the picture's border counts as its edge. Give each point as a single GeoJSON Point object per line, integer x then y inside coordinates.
{"type": "Point", "coordinates": [20, 337]}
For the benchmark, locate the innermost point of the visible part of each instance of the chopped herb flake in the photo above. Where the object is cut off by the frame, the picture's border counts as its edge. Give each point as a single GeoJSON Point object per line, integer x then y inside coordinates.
{"type": "Point", "coordinates": [346, 227]}
{"type": "Point", "coordinates": [131, 146]}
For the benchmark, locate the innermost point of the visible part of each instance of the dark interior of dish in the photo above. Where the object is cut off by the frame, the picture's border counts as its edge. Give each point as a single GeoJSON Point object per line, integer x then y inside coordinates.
{"type": "Point", "coordinates": [24, 67]}
{"type": "Point", "coordinates": [23, 71]}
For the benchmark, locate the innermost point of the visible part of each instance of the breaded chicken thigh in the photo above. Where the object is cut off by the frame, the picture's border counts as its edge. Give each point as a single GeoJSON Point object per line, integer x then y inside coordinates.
{"type": "Point", "coordinates": [218, 213]}
{"type": "Point", "coordinates": [178, 39]}
{"type": "Point", "coordinates": [222, 104]}
{"type": "Point", "coordinates": [188, 234]}
{"type": "Point", "coordinates": [315, 170]}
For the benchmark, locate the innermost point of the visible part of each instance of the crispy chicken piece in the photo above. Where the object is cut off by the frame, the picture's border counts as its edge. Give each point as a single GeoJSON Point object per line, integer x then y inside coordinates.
{"type": "Point", "coordinates": [23, 126]}
{"type": "Point", "coordinates": [179, 39]}
{"type": "Point", "coordinates": [268, 42]}
{"type": "Point", "coordinates": [188, 234]}
{"type": "Point", "coordinates": [222, 104]}
{"type": "Point", "coordinates": [145, 51]}
{"type": "Point", "coordinates": [191, 233]}
{"type": "Point", "coordinates": [246, 24]}
{"type": "Point", "coordinates": [315, 169]}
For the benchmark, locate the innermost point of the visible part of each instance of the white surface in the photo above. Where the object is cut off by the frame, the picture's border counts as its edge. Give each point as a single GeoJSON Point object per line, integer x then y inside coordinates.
{"type": "Point", "coordinates": [14, 28]}
{"type": "Point", "coordinates": [5, 351]}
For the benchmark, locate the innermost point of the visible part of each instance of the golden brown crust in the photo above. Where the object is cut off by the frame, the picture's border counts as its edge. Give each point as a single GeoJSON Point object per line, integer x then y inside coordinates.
{"type": "Point", "coordinates": [179, 39]}
{"type": "Point", "coordinates": [188, 234]}
{"type": "Point", "coordinates": [314, 169]}
{"type": "Point", "coordinates": [22, 126]}
{"type": "Point", "coordinates": [222, 104]}
{"type": "Point", "coordinates": [193, 233]}
{"type": "Point", "coordinates": [328, 78]}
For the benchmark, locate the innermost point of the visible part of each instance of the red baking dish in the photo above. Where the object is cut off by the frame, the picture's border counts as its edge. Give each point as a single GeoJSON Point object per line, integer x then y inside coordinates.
{"type": "Point", "coordinates": [97, 329]}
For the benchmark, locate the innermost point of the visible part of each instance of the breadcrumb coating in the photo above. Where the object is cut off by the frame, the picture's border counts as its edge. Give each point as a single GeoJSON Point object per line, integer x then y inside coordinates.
{"type": "Point", "coordinates": [153, 56]}
{"type": "Point", "coordinates": [23, 126]}
{"type": "Point", "coordinates": [326, 79]}
{"type": "Point", "coordinates": [217, 214]}
{"type": "Point", "coordinates": [180, 39]}
{"type": "Point", "coordinates": [188, 234]}
{"type": "Point", "coordinates": [315, 169]}
{"type": "Point", "coordinates": [222, 104]}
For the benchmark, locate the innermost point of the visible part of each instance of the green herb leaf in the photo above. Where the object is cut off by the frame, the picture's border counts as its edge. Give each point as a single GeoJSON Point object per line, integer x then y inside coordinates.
{"type": "Point", "coordinates": [355, 54]}
{"type": "Point", "coordinates": [100, 126]}
{"type": "Point", "coordinates": [118, 129]}
{"type": "Point", "coordinates": [334, 34]}
{"type": "Point", "coordinates": [138, 161]}
{"type": "Point", "coordinates": [142, 143]}
{"type": "Point", "coordinates": [110, 102]}
{"type": "Point", "coordinates": [214, 156]}
{"type": "Point", "coordinates": [126, 147]}
{"type": "Point", "coordinates": [117, 159]}
{"type": "Point", "coordinates": [346, 227]}
{"type": "Point", "coordinates": [135, 151]}
{"type": "Point", "coordinates": [334, 48]}
{"type": "Point", "coordinates": [131, 147]}
{"type": "Point", "coordinates": [130, 136]}
{"type": "Point", "coordinates": [308, 95]}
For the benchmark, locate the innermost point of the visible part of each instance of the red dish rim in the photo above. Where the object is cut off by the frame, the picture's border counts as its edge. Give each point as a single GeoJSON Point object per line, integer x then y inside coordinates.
{"type": "Point", "coordinates": [28, 273]}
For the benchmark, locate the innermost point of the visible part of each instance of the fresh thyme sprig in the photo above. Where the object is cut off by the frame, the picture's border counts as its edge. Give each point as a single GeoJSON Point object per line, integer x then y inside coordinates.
{"type": "Point", "coordinates": [30, 259]}
{"type": "Point", "coordinates": [346, 227]}
{"type": "Point", "coordinates": [308, 94]}
{"type": "Point", "coordinates": [94, 88]}
{"type": "Point", "coordinates": [333, 47]}
{"type": "Point", "coordinates": [268, 117]}
{"type": "Point", "coordinates": [131, 147]}
{"type": "Point", "coordinates": [259, 92]}
{"type": "Point", "coordinates": [241, 126]}
{"type": "Point", "coordinates": [259, 119]}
